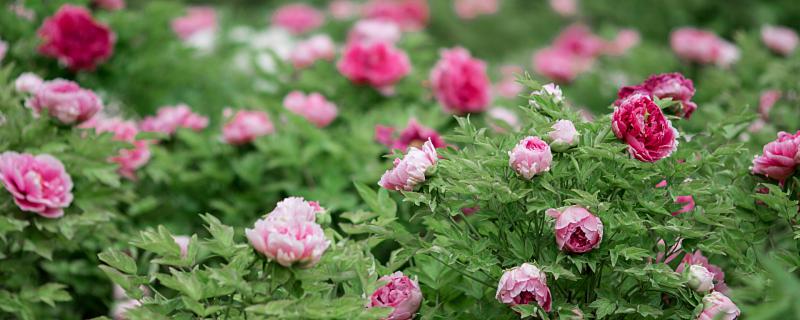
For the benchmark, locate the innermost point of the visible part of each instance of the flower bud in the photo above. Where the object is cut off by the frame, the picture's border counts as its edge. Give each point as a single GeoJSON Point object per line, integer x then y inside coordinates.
{"type": "Point", "coordinates": [400, 293]}
{"type": "Point", "coordinates": [563, 136]}
{"type": "Point", "coordinates": [577, 230]}
{"type": "Point", "coordinates": [716, 306]}
{"type": "Point", "coordinates": [699, 278]}
{"type": "Point", "coordinates": [522, 285]}
{"type": "Point", "coordinates": [530, 157]}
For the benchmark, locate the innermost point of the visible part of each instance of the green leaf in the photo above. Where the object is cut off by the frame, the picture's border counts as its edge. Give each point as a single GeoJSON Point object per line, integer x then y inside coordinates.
{"type": "Point", "coordinates": [603, 307]}
{"type": "Point", "coordinates": [119, 260]}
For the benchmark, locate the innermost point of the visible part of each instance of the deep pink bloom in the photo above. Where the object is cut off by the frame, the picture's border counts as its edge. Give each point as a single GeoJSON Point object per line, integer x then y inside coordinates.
{"type": "Point", "coordinates": [410, 15]}
{"type": "Point", "coordinates": [578, 40]}
{"type": "Point", "coordinates": [624, 41]}
{"type": "Point", "coordinates": [410, 170]}
{"type": "Point", "coordinates": [468, 211]}
{"type": "Point", "coordinates": [28, 82]}
{"type": "Point", "coordinates": [767, 99]}
{"type": "Point", "coordinates": [197, 20]}
{"type": "Point", "coordinates": [698, 259]}
{"type": "Point", "coordinates": [318, 47]}
{"type": "Point", "coordinates": [779, 157]}
{"type": "Point", "coordinates": [129, 160]}
{"type": "Point", "coordinates": [295, 208]}
{"type": "Point", "coordinates": [298, 18]}
{"type": "Point", "coordinates": [290, 242]}
{"type": "Point", "coordinates": [371, 30]}
{"type": "Point", "coordinates": [717, 306]}
{"type": "Point", "coordinates": [65, 100]}
{"type": "Point", "coordinates": [577, 230]}
{"type": "Point", "coordinates": [508, 87]}
{"type": "Point", "coordinates": [531, 156]}
{"type": "Point", "coordinates": [639, 122]}
{"type": "Point", "coordinates": [661, 184]}
{"type": "Point", "coordinates": [523, 285]}
{"type": "Point", "coordinates": [703, 47]}
{"type": "Point", "coordinates": [343, 9]}
{"type": "Point", "coordinates": [666, 85]}
{"type": "Point", "coordinates": [470, 9]}
{"type": "Point", "coordinates": [499, 118]}
{"type": "Point", "coordinates": [781, 40]}
{"type": "Point", "coordinates": [378, 64]}
{"type": "Point", "coordinates": [565, 8]}
{"type": "Point", "coordinates": [563, 136]}
{"type": "Point", "coordinates": [314, 107]}
{"type": "Point", "coordinates": [170, 118]}
{"type": "Point", "coordinates": [414, 135]}
{"type": "Point", "coordinates": [75, 38]}
{"type": "Point", "coordinates": [560, 65]}
{"type": "Point", "coordinates": [689, 204]}
{"type": "Point", "coordinates": [37, 183]}
{"type": "Point", "coordinates": [110, 5]}
{"type": "Point", "coordinates": [460, 83]}
{"type": "Point", "coordinates": [247, 125]}
{"type": "Point", "coordinates": [400, 293]}
{"type": "Point", "coordinates": [183, 244]}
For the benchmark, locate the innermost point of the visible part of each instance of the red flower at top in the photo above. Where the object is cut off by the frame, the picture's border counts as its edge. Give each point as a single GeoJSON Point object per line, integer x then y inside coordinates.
{"type": "Point", "coordinates": [75, 38]}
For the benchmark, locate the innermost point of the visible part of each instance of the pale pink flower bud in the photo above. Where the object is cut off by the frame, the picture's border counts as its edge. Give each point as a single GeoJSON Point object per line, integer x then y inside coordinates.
{"type": "Point", "coordinates": [565, 8]}
{"type": "Point", "coordinates": [295, 208]}
{"type": "Point", "coordinates": [314, 107]}
{"type": "Point", "coordinates": [65, 100]}
{"type": "Point", "coordinates": [370, 31]}
{"type": "Point", "coordinates": [297, 18]}
{"type": "Point", "coordinates": [531, 156]}
{"type": "Point", "coordinates": [400, 293]}
{"type": "Point", "coordinates": [410, 170]}
{"type": "Point", "coordinates": [523, 285]}
{"type": "Point", "coordinates": [289, 242]}
{"type": "Point", "coordinates": [563, 136]}
{"type": "Point", "coordinates": [766, 101]}
{"type": "Point", "coordinates": [717, 306]}
{"type": "Point", "coordinates": [38, 184]}
{"type": "Point", "coordinates": [460, 83]}
{"type": "Point", "coordinates": [781, 40]}
{"type": "Point", "coordinates": [577, 230]}
{"type": "Point", "coordinates": [183, 244]}
{"type": "Point", "coordinates": [699, 278]}
{"type": "Point", "coordinates": [28, 82]}
{"type": "Point", "coordinates": [697, 258]}
{"type": "Point", "coordinates": [169, 118]}
{"type": "Point", "coordinates": [247, 125]}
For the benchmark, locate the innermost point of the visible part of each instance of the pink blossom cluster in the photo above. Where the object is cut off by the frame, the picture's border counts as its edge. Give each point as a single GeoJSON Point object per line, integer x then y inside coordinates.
{"type": "Point", "coordinates": [400, 293]}
{"type": "Point", "coordinates": [197, 20]}
{"type": "Point", "coordinates": [128, 159]}
{"type": "Point", "coordinates": [666, 85]}
{"type": "Point", "coordinates": [244, 126]}
{"type": "Point", "coordinates": [374, 30]}
{"type": "Point", "coordinates": [779, 157]}
{"type": "Point", "coordinates": [61, 99]}
{"type": "Point", "coordinates": [471, 9]}
{"type": "Point", "coordinates": [309, 51]}
{"type": "Point", "coordinates": [410, 15]}
{"type": "Point", "coordinates": [297, 18]}
{"type": "Point", "coordinates": [313, 107]}
{"type": "Point", "coordinates": [169, 118]}
{"type": "Point", "coordinates": [378, 64]}
{"type": "Point", "coordinates": [704, 47]}
{"type": "Point", "coordinates": [460, 82]}
{"type": "Point", "coordinates": [413, 135]}
{"type": "Point", "coordinates": [781, 40]}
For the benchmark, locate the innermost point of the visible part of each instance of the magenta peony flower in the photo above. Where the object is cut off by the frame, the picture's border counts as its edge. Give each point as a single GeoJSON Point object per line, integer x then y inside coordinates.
{"type": "Point", "coordinates": [379, 64]}
{"type": "Point", "coordinates": [414, 135]}
{"type": "Point", "coordinates": [508, 87]}
{"type": "Point", "coordinates": [717, 306]}
{"type": "Point", "coordinates": [624, 41]}
{"type": "Point", "coordinates": [703, 47]}
{"type": "Point", "coordinates": [531, 156]}
{"type": "Point", "coordinates": [498, 116]}
{"type": "Point", "coordinates": [75, 38]}
{"type": "Point", "coordinates": [318, 47]}
{"type": "Point", "coordinates": [697, 258]}
{"type": "Point", "coordinates": [470, 9]}
{"type": "Point", "coordinates": [297, 18]}
{"type": "Point", "coordinates": [781, 40]}
{"type": "Point", "coordinates": [565, 8]}
{"type": "Point", "coordinates": [371, 30]}
{"type": "Point", "coordinates": [663, 86]}
{"type": "Point", "coordinates": [689, 204]}
{"type": "Point", "coordinates": [28, 82]}
{"type": "Point", "coordinates": [343, 9]}
{"type": "Point", "coordinates": [779, 157]}
{"type": "Point", "coordinates": [38, 183]}
{"type": "Point", "coordinates": [578, 40]}
{"type": "Point", "coordinates": [289, 242]}
{"type": "Point", "coordinates": [65, 101]}
{"type": "Point", "coordinates": [560, 65]}
{"type": "Point", "coordinates": [767, 99]}
{"type": "Point", "coordinates": [563, 136]}
{"type": "Point", "coordinates": [400, 293]}
{"type": "Point", "coordinates": [183, 244]}
{"type": "Point", "coordinates": [197, 20]}
{"type": "Point", "coordinates": [522, 285]}
{"type": "Point", "coordinates": [129, 160]}
{"type": "Point", "coordinates": [120, 308]}
{"type": "Point", "coordinates": [577, 230]}
{"type": "Point", "coordinates": [410, 15]}
{"type": "Point", "coordinates": [639, 122]}
{"type": "Point", "coordinates": [314, 107]}
{"type": "Point", "coordinates": [460, 82]}
{"type": "Point", "coordinates": [247, 125]}
{"type": "Point", "coordinates": [699, 278]}
{"type": "Point", "coordinates": [295, 208]}
{"type": "Point", "coordinates": [110, 5]}
{"type": "Point", "coordinates": [170, 118]}
{"type": "Point", "coordinates": [410, 171]}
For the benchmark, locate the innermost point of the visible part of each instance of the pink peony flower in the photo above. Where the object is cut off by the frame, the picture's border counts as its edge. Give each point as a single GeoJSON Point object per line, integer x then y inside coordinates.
{"type": "Point", "coordinates": [129, 160]}
{"type": "Point", "coordinates": [565, 8]}
{"type": "Point", "coordinates": [414, 135]}
{"type": "Point", "coordinates": [563, 136]}
{"type": "Point", "coordinates": [781, 40]}
{"type": "Point", "coordinates": [699, 278]}
{"type": "Point", "coordinates": [661, 184]}
{"type": "Point", "coordinates": [779, 157]}
{"type": "Point", "coordinates": [110, 5]}
{"type": "Point", "coordinates": [578, 40]}
{"type": "Point", "coordinates": [766, 101]}
{"type": "Point", "coordinates": [400, 293]}
{"type": "Point", "coordinates": [295, 208]}
{"type": "Point", "coordinates": [689, 204]}
{"type": "Point", "coordinates": [410, 170]}
{"type": "Point", "coordinates": [531, 156]}
{"type": "Point", "coordinates": [499, 117]}
{"type": "Point", "coordinates": [378, 64]}
{"type": "Point", "coordinates": [663, 86]}
{"type": "Point", "coordinates": [38, 183]}
{"type": "Point", "coordinates": [65, 101]}
{"type": "Point", "coordinates": [170, 118]}
{"type": "Point", "coordinates": [75, 38]}
{"type": "Point", "coordinates": [343, 9]}
{"type": "Point", "coordinates": [183, 244]}
{"type": "Point", "coordinates": [470, 9]}
{"type": "Point", "coordinates": [460, 82]}
{"type": "Point", "coordinates": [28, 82]}
{"type": "Point", "coordinates": [508, 87]}
{"type": "Point", "coordinates": [703, 47]}
{"type": "Point", "coordinates": [197, 20]}
{"type": "Point", "coordinates": [717, 306]}
{"type": "Point", "coordinates": [247, 125]}
{"type": "Point", "coordinates": [559, 65]}
{"type": "Point", "coordinates": [314, 107]}
{"type": "Point", "coordinates": [697, 258]}
{"type": "Point", "coordinates": [624, 41]}
{"type": "Point", "coordinates": [120, 308]}
{"type": "Point", "coordinates": [410, 15]}
{"type": "Point", "coordinates": [577, 230]}
{"type": "Point", "coordinates": [370, 31]}
{"type": "Point", "coordinates": [318, 47]}
{"type": "Point", "coordinates": [297, 18]}
{"type": "Point", "coordinates": [523, 285]}
{"type": "Point", "coordinates": [639, 122]}
{"type": "Point", "coordinates": [289, 242]}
